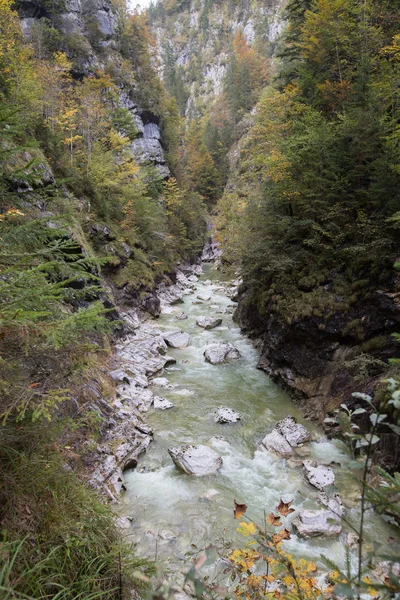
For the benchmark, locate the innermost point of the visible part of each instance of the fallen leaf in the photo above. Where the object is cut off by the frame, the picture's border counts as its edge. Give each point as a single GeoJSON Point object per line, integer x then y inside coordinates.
{"type": "Point", "coordinates": [283, 508]}
{"type": "Point", "coordinates": [239, 510]}
{"type": "Point", "coordinates": [33, 385]}
{"type": "Point", "coordinates": [273, 520]}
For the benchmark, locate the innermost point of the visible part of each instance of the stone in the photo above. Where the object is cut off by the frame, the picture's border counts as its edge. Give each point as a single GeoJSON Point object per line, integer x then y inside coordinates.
{"type": "Point", "coordinates": [148, 150]}
{"type": "Point", "coordinates": [162, 403]}
{"type": "Point", "coordinates": [275, 442]}
{"type": "Point", "coordinates": [318, 475]}
{"type": "Point", "coordinates": [209, 494]}
{"type": "Point", "coordinates": [161, 382]}
{"type": "Point", "coordinates": [177, 339]}
{"type": "Point", "coordinates": [221, 352]}
{"type": "Point", "coordinates": [167, 535]}
{"type": "Point", "coordinates": [312, 523]}
{"type": "Point", "coordinates": [124, 523]}
{"type": "Point", "coordinates": [210, 252]}
{"type": "Point", "coordinates": [293, 432]}
{"type": "Point", "coordinates": [333, 502]}
{"type": "Point", "coordinates": [181, 316]}
{"type": "Point", "coordinates": [226, 415]}
{"type": "Point", "coordinates": [204, 297]}
{"type": "Point", "coordinates": [208, 322]}
{"type": "Point", "coordinates": [196, 460]}
{"type": "Point", "coordinates": [120, 376]}
{"type": "Point", "coordinates": [352, 540]}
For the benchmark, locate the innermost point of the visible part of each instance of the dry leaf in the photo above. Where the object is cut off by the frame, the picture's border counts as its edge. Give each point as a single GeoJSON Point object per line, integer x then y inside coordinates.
{"type": "Point", "coordinates": [273, 520]}
{"type": "Point", "coordinates": [283, 508]}
{"type": "Point", "coordinates": [240, 509]}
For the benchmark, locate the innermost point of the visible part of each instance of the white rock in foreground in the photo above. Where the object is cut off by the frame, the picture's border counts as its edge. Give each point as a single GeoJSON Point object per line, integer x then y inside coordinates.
{"type": "Point", "coordinates": [208, 322]}
{"type": "Point", "coordinates": [221, 352]}
{"type": "Point", "coordinates": [286, 435]}
{"type": "Point", "coordinates": [204, 297]}
{"type": "Point", "coordinates": [196, 460]}
{"type": "Point", "coordinates": [318, 475]}
{"type": "Point", "coordinates": [181, 317]}
{"type": "Point", "coordinates": [162, 403]}
{"type": "Point", "coordinates": [293, 432]}
{"type": "Point", "coordinates": [333, 502]}
{"type": "Point", "coordinates": [275, 442]}
{"type": "Point", "coordinates": [177, 339]}
{"type": "Point", "coordinates": [226, 415]}
{"type": "Point", "coordinates": [311, 523]}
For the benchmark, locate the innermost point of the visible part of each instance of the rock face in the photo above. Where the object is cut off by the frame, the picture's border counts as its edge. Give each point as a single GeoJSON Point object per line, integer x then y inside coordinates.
{"type": "Point", "coordinates": [211, 251]}
{"type": "Point", "coordinates": [286, 435]}
{"type": "Point", "coordinates": [318, 475]}
{"type": "Point", "coordinates": [220, 353]}
{"type": "Point", "coordinates": [312, 523]}
{"type": "Point", "coordinates": [223, 415]}
{"type": "Point", "coordinates": [177, 339]}
{"type": "Point", "coordinates": [196, 460]}
{"type": "Point", "coordinates": [208, 322]}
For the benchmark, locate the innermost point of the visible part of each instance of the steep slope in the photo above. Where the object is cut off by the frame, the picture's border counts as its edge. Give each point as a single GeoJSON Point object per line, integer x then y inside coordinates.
{"type": "Point", "coordinates": [195, 44]}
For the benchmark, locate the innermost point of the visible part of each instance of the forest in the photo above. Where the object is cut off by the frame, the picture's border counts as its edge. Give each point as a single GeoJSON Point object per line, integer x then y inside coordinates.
{"type": "Point", "coordinates": [125, 139]}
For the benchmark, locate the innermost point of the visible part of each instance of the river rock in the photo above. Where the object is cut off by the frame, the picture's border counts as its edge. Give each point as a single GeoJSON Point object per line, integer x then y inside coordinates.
{"type": "Point", "coordinates": [161, 382]}
{"type": "Point", "coordinates": [333, 502]}
{"type": "Point", "coordinates": [204, 297]}
{"type": "Point", "coordinates": [208, 322]}
{"type": "Point", "coordinates": [226, 415]}
{"type": "Point", "coordinates": [177, 339]}
{"type": "Point", "coordinates": [181, 316]}
{"type": "Point", "coordinates": [312, 523]}
{"type": "Point", "coordinates": [221, 352]}
{"type": "Point", "coordinates": [162, 403]}
{"type": "Point", "coordinates": [196, 460]}
{"type": "Point", "coordinates": [275, 442]}
{"type": "Point", "coordinates": [318, 475]}
{"type": "Point", "coordinates": [293, 432]}
{"type": "Point", "coordinates": [286, 435]}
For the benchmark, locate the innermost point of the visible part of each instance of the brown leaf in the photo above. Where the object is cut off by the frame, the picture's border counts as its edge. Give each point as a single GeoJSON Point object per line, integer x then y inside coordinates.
{"type": "Point", "coordinates": [240, 509]}
{"type": "Point", "coordinates": [273, 520]}
{"type": "Point", "coordinates": [284, 534]}
{"type": "Point", "coordinates": [283, 508]}
{"type": "Point", "coordinates": [33, 385]}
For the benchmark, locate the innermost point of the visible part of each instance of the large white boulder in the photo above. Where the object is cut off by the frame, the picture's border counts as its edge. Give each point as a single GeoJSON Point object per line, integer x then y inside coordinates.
{"type": "Point", "coordinates": [318, 475]}
{"type": "Point", "coordinates": [221, 352]}
{"type": "Point", "coordinates": [177, 339]}
{"type": "Point", "coordinates": [196, 460]}
{"type": "Point", "coordinates": [275, 442]}
{"type": "Point", "coordinates": [223, 415]}
{"type": "Point", "coordinates": [293, 432]}
{"type": "Point", "coordinates": [312, 523]}
{"type": "Point", "coordinates": [208, 322]}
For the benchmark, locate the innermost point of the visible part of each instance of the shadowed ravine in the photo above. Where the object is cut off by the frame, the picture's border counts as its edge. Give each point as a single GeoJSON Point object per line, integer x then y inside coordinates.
{"type": "Point", "coordinates": [172, 511]}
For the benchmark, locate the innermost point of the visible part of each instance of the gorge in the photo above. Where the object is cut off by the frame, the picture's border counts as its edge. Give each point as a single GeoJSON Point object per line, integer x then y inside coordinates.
{"type": "Point", "coordinates": [199, 299]}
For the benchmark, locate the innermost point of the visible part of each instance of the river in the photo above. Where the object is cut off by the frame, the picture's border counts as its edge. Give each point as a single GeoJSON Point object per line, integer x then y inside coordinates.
{"type": "Point", "coordinates": [174, 514]}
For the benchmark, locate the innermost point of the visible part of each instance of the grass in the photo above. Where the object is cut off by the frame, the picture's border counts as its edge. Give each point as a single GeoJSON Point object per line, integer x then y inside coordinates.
{"type": "Point", "coordinates": [59, 541]}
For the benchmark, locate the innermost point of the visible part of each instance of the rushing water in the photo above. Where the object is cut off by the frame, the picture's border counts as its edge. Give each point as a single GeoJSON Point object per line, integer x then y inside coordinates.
{"type": "Point", "coordinates": [173, 512]}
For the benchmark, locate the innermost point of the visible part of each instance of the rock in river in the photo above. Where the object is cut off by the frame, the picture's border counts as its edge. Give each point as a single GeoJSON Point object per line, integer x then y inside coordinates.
{"type": "Point", "coordinates": [311, 523]}
{"type": "Point", "coordinates": [293, 432]}
{"type": "Point", "coordinates": [220, 353]}
{"type": "Point", "coordinates": [196, 460]}
{"type": "Point", "coordinates": [226, 415]}
{"type": "Point", "coordinates": [208, 322]}
{"type": "Point", "coordinates": [162, 403]}
{"type": "Point", "coordinates": [286, 435]}
{"type": "Point", "coordinates": [204, 297]}
{"type": "Point", "coordinates": [318, 475]}
{"type": "Point", "coordinates": [275, 442]}
{"type": "Point", "coordinates": [177, 339]}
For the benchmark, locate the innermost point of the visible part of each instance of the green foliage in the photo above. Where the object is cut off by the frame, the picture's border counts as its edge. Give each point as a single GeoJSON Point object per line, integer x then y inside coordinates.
{"type": "Point", "coordinates": [58, 540]}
